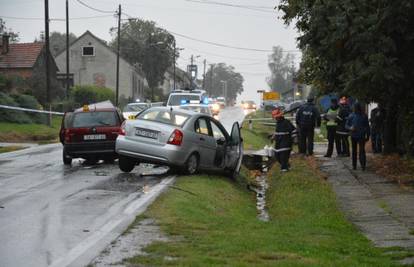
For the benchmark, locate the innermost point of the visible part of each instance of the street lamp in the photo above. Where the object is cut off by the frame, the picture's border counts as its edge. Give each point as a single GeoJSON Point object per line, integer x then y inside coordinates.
{"type": "Point", "coordinates": [175, 61]}
{"type": "Point", "coordinates": [224, 90]}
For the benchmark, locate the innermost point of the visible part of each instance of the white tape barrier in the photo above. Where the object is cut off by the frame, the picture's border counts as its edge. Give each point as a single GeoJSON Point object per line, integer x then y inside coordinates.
{"type": "Point", "coordinates": [32, 110]}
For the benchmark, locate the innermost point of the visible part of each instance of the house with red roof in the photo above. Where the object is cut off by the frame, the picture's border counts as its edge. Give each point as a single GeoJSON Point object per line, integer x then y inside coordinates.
{"type": "Point", "coordinates": [27, 62]}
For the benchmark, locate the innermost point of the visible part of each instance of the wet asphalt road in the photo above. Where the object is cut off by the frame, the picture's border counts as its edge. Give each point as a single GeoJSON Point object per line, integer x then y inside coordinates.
{"type": "Point", "coordinates": [51, 214]}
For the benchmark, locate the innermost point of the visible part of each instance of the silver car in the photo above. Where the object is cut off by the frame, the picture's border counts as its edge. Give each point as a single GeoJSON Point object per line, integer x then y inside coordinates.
{"type": "Point", "coordinates": [182, 139]}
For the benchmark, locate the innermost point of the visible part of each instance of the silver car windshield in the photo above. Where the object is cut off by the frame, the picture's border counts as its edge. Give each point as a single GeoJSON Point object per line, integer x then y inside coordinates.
{"type": "Point", "coordinates": [94, 119]}
{"type": "Point", "coordinates": [166, 117]}
{"type": "Point", "coordinates": [177, 100]}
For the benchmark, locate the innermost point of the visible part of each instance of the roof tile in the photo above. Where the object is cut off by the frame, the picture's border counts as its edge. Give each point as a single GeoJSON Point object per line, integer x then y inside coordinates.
{"type": "Point", "coordinates": [22, 55]}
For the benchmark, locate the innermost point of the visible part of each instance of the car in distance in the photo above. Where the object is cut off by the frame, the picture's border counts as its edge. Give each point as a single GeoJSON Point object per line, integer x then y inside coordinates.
{"type": "Point", "coordinates": [132, 109]}
{"type": "Point", "coordinates": [182, 139]}
{"type": "Point", "coordinates": [90, 133]}
{"type": "Point", "coordinates": [249, 105]}
{"type": "Point", "coordinates": [221, 101]}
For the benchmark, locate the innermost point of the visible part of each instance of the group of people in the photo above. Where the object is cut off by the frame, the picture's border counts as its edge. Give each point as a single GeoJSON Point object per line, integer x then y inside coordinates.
{"type": "Point", "coordinates": [341, 123]}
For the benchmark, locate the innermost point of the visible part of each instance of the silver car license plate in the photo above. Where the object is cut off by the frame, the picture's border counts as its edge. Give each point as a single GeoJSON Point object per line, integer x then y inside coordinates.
{"type": "Point", "coordinates": [94, 137]}
{"type": "Point", "coordinates": [146, 133]}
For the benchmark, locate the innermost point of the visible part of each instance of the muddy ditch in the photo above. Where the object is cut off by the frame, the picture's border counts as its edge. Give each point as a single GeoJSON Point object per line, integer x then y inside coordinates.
{"type": "Point", "coordinates": [259, 162]}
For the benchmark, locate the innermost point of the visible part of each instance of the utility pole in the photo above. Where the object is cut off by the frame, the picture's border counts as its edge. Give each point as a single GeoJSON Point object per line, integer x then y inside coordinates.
{"type": "Point", "coordinates": [204, 74]}
{"type": "Point", "coordinates": [67, 48]}
{"type": "Point", "coordinates": [47, 52]}
{"type": "Point", "coordinates": [211, 78]}
{"type": "Point", "coordinates": [175, 55]}
{"type": "Point", "coordinates": [117, 56]}
{"type": "Point", "coordinates": [192, 79]}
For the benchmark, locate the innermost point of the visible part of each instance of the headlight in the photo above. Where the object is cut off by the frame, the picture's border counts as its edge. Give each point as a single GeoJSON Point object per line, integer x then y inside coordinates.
{"type": "Point", "coordinates": [254, 106]}
{"type": "Point", "coordinates": [215, 106]}
{"type": "Point", "coordinates": [246, 105]}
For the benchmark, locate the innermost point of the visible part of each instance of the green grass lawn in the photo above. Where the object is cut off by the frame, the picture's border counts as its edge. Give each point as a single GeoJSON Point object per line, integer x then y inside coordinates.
{"type": "Point", "coordinates": [15, 132]}
{"type": "Point", "coordinates": [6, 149]}
{"type": "Point", "coordinates": [216, 225]}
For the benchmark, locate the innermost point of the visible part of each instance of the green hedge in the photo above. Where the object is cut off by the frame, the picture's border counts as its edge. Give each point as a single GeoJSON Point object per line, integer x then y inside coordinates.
{"type": "Point", "coordinates": [7, 115]}
{"type": "Point", "coordinates": [87, 94]}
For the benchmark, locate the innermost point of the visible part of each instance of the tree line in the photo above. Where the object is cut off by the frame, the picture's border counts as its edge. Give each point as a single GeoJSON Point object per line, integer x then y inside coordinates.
{"type": "Point", "coordinates": [364, 49]}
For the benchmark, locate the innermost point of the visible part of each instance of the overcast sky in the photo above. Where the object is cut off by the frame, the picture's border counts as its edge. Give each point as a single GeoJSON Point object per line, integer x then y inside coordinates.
{"type": "Point", "coordinates": [241, 27]}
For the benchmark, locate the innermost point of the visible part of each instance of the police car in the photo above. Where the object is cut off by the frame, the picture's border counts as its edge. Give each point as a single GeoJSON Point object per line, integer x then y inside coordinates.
{"type": "Point", "coordinates": [180, 97]}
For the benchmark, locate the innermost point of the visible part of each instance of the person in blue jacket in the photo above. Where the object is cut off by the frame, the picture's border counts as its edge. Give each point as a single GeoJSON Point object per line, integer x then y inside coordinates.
{"type": "Point", "coordinates": [358, 125]}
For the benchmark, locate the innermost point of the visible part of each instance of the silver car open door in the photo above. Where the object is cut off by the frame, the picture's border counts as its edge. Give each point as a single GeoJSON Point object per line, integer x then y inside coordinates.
{"type": "Point", "coordinates": [235, 149]}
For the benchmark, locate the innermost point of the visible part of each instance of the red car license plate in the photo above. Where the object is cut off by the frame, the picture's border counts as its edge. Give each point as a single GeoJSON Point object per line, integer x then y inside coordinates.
{"type": "Point", "coordinates": [94, 137]}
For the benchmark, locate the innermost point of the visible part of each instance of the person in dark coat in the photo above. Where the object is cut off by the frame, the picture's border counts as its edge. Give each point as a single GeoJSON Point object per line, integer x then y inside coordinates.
{"type": "Point", "coordinates": [341, 131]}
{"type": "Point", "coordinates": [283, 138]}
{"type": "Point", "coordinates": [331, 117]}
{"type": "Point", "coordinates": [377, 125]}
{"type": "Point", "coordinates": [358, 126]}
{"type": "Point", "coordinates": [307, 118]}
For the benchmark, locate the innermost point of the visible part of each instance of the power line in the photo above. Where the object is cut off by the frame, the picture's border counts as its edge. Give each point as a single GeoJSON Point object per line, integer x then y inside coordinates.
{"type": "Point", "coordinates": [56, 19]}
{"type": "Point", "coordinates": [93, 8]}
{"type": "Point", "coordinates": [221, 45]}
{"type": "Point", "coordinates": [264, 9]}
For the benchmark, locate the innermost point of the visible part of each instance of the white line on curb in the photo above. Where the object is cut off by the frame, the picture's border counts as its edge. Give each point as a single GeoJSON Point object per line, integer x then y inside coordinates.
{"type": "Point", "coordinates": [133, 209]}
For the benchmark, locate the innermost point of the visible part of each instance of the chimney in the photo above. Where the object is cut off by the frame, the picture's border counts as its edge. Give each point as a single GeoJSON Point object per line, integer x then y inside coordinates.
{"type": "Point", "coordinates": [5, 44]}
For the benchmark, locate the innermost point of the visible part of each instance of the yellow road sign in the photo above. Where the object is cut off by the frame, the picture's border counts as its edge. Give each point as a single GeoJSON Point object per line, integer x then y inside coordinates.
{"type": "Point", "coordinates": [271, 96]}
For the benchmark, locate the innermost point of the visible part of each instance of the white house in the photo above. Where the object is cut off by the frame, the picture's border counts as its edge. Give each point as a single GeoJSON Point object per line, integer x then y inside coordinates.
{"type": "Point", "coordinates": [93, 62]}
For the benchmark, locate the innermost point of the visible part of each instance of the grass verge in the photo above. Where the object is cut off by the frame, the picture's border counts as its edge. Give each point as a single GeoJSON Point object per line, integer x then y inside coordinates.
{"type": "Point", "coordinates": [15, 132]}
{"type": "Point", "coordinates": [6, 149]}
{"type": "Point", "coordinates": [216, 225]}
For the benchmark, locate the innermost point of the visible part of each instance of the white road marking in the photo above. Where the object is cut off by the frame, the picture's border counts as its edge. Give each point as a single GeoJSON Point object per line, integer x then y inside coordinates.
{"type": "Point", "coordinates": [133, 209]}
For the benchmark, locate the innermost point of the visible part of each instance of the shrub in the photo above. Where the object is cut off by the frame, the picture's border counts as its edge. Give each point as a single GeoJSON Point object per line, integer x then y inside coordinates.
{"type": "Point", "coordinates": [28, 101]}
{"type": "Point", "coordinates": [88, 94]}
{"type": "Point", "coordinates": [12, 115]}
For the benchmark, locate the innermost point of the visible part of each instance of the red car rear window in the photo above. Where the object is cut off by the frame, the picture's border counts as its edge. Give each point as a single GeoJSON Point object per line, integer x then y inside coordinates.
{"type": "Point", "coordinates": [95, 119]}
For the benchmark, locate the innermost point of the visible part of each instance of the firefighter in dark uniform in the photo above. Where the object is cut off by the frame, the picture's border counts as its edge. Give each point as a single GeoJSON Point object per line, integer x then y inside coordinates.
{"type": "Point", "coordinates": [283, 138]}
{"type": "Point", "coordinates": [307, 118]}
{"type": "Point", "coordinates": [341, 130]}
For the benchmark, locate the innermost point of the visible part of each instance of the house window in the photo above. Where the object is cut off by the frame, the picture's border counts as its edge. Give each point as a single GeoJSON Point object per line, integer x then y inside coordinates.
{"type": "Point", "coordinates": [88, 51]}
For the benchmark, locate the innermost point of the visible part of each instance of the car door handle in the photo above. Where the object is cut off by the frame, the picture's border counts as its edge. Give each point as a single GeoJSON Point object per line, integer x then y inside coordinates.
{"type": "Point", "coordinates": [202, 139]}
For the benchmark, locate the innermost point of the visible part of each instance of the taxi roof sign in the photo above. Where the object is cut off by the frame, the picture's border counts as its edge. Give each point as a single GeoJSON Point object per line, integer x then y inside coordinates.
{"type": "Point", "coordinates": [100, 105]}
{"type": "Point", "coordinates": [85, 108]}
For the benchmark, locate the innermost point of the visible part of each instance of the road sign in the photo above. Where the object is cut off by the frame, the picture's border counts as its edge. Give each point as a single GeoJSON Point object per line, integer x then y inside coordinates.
{"type": "Point", "coordinates": [271, 96]}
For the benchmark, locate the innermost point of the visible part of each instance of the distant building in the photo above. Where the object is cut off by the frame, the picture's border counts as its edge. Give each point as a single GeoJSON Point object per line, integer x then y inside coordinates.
{"type": "Point", "coordinates": [93, 62]}
{"type": "Point", "coordinates": [182, 80]}
{"type": "Point", "coordinates": [25, 65]}
{"type": "Point", "coordinates": [24, 60]}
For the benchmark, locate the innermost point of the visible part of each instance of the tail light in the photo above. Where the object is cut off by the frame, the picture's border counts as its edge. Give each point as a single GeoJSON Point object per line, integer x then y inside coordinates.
{"type": "Point", "coordinates": [176, 138]}
{"type": "Point", "coordinates": [68, 136]}
{"type": "Point", "coordinates": [122, 130]}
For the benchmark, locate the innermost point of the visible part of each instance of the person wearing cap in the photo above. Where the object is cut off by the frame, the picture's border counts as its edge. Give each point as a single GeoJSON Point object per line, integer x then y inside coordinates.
{"type": "Point", "coordinates": [341, 131]}
{"type": "Point", "coordinates": [283, 139]}
{"type": "Point", "coordinates": [331, 124]}
{"type": "Point", "coordinates": [307, 118]}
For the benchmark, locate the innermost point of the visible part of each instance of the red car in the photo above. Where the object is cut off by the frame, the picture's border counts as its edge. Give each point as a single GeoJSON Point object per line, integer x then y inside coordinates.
{"type": "Point", "coordinates": [90, 133]}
